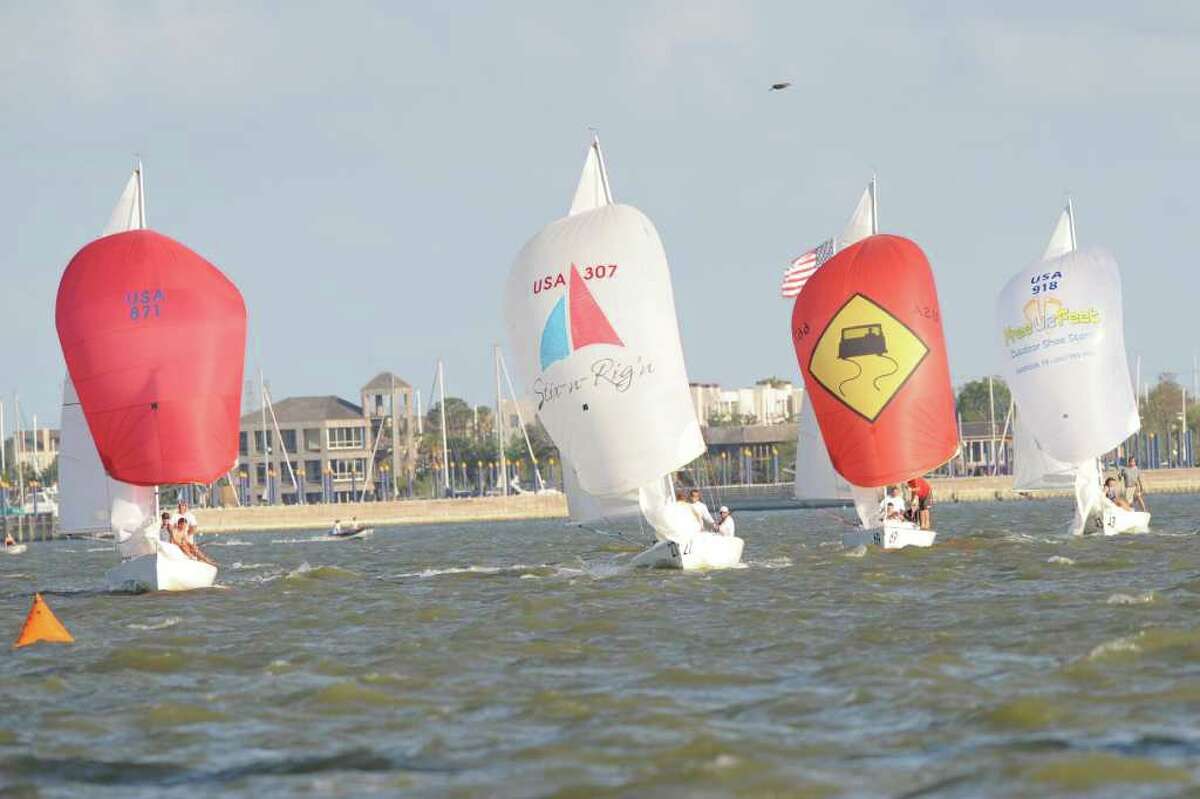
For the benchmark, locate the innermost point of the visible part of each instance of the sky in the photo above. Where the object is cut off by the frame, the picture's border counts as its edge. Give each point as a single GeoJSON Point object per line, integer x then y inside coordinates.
{"type": "Point", "coordinates": [366, 172]}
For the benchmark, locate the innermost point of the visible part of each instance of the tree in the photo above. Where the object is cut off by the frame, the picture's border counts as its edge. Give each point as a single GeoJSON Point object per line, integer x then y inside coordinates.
{"type": "Point", "coordinates": [975, 405]}
{"type": "Point", "coordinates": [774, 382]}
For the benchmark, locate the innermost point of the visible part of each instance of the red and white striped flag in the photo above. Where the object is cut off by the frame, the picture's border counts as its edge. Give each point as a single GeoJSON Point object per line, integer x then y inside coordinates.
{"type": "Point", "coordinates": [803, 267]}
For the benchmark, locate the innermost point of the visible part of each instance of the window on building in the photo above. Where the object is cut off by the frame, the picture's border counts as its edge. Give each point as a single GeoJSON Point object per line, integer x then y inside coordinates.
{"type": "Point", "coordinates": [243, 443]}
{"type": "Point", "coordinates": [344, 468]}
{"type": "Point", "coordinates": [346, 437]}
{"type": "Point", "coordinates": [312, 439]}
{"type": "Point", "coordinates": [260, 474]}
{"type": "Point", "coordinates": [258, 441]}
{"type": "Point", "coordinates": [312, 471]}
{"type": "Point", "coordinates": [288, 437]}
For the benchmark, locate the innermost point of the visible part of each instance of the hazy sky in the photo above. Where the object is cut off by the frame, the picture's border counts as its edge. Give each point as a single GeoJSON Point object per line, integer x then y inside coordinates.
{"type": "Point", "coordinates": [367, 172]}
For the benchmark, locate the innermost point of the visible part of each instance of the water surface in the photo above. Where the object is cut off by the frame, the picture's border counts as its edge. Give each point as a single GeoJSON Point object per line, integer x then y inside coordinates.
{"type": "Point", "coordinates": [527, 659]}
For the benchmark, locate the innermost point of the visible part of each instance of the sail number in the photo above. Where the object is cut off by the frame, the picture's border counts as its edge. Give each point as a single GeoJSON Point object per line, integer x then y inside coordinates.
{"type": "Point", "coordinates": [802, 330]}
{"type": "Point", "coordinates": [145, 304]}
{"type": "Point", "coordinates": [595, 272]}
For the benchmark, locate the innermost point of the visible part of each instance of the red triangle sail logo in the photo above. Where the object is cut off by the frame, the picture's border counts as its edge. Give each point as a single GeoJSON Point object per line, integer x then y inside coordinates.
{"type": "Point", "coordinates": [589, 325]}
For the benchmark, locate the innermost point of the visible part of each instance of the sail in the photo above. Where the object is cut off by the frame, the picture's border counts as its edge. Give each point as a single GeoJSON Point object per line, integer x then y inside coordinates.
{"type": "Point", "coordinates": [1061, 329]}
{"type": "Point", "coordinates": [585, 508]}
{"type": "Point", "coordinates": [129, 212]}
{"type": "Point", "coordinates": [1062, 240]}
{"type": "Point", "coordinates": [593, 190]}
{"type": "Point", "coordinates": [590, 318]}
{"type": "Point", "coordinates": [864, 221]}
{"type": "Point", "coordinates": [867, 505]}
{"type": "Point", "coordinates": [154, 338]}
{"type": "Point", "coordinates": [868, 337]}
{"type": "Point", "coordinates": [86, 493]}
{"type": "Point", "coordinates": [1087, 495]}
{"type": "Point", "coordinates": [816, 478]}
{"type": "Point", "coordinates": [1033, 468]}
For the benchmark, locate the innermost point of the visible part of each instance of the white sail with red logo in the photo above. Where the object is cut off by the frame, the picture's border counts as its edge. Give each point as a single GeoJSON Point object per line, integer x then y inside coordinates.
{"type": "Point", "coordinates": [591, 322]}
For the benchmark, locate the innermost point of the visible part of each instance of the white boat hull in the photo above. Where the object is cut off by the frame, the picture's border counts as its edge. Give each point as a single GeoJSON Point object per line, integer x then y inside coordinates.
{"type": "Point", "coordinates": [893, 535]}
{"type": "Point", "coordinates": [1117, 521]}
{"type": "Point", "coordinates": [702, 551]}
{"type": "Point", "coordinates": [165, 570]}
{"type": "Point", "coordinates": [366, 532]}
{"type": "Point", "coordinates": [15, 549]}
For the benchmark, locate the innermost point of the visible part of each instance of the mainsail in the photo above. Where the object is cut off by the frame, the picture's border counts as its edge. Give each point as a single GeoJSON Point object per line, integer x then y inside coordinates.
{"type": "Point", "coordinates": [154, 338]}
{"type": "Point", "coordinates": [86, 493]}
{"type": "Point", "coordinates": [590, 317]}
{"type": "Point", "coordinates": [1062, 333]}
{"type": "Point", "coordinates": [816, 479]}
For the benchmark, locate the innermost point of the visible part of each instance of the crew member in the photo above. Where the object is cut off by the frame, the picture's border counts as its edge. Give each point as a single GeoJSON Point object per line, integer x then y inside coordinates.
{"type": "Point", "coordinates": [922, 500]}
{"type": "Point", "coordinates": [9, 541]}
{"type": "Point", "coordinates": [1131, 476]}
{"type": "Point", "coordinates": [892, 506]}
{"type": "Point", "coordinates": [185, 514]}
{"type": "Point", "coordinates": [725, 525]}
{"type": "Point", "coordinates": [1114, 496]}
{"type": "Point", "coordinates": [702, 512]}
{"type": "Point", "coordinates": [337, 527]}
{"type": "Point", "coordinates": [164, 527]}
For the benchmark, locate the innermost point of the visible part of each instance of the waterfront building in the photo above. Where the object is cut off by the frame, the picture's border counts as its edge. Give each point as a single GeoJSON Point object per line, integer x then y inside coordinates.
{"type": "Point", "coordinates": [767, 402]}
{"type": "Point", "coordinates": [330, 449]}
{"type": "Point", "coordinates": [35, 450]}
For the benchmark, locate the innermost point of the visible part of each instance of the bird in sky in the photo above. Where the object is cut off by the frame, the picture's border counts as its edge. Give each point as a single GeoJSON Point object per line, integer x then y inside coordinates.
{"type": "Point", "coordinates": [778, 86]}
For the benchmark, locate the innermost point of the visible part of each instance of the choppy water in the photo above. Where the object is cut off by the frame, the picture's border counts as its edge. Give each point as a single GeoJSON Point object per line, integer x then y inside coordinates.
{"type": "Point", "coordinates": [526, 659]}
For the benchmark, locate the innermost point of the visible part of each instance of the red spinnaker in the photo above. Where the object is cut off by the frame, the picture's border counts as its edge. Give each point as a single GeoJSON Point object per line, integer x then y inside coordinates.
{"type": "Point", "coordinates": [154, 338]}
{"type": "Point", "coordinates": [868, 335]}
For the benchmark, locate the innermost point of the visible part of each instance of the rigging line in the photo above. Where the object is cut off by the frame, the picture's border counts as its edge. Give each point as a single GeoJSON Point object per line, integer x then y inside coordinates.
{"type": "Point", "coordinates": [607, 533]}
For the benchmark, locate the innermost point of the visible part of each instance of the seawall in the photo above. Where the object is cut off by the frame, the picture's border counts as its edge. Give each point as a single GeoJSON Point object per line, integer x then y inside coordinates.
{"type": "Point", "coordinates": [554, 506]}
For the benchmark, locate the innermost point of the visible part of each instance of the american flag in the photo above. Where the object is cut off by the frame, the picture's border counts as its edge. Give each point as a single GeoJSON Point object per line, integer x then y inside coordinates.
{"type": "Point", "coordinates": [802, 268]}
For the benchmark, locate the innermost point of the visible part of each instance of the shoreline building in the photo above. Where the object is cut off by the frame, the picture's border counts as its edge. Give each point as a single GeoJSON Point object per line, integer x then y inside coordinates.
{"type": "Point", "coordinates": [330, 449]}
{"type": "Point", "coordinates": [768, 402]}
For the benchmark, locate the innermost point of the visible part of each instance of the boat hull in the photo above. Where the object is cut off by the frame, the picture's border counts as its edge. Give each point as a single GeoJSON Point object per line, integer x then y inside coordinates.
{"type": "Point", "coordinates": [1118, 521]}
{"type": "Point", "coordinates": [703, 551]}
{"type": "Point", "coordinates": [366, 532]}
{"type": "Point", "coordinates": [161, 571]}
{"type": "Point", "coordinates": [893, 535]}
{"type": "Point", "coordinates": [15, 549]}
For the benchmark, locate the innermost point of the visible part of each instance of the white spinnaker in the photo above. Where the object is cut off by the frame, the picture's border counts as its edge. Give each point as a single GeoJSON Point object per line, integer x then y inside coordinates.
{"type": "Point", "coordinates": [620, 413]}
{"type": "Point", "coordinates": [864, 221]}
{"type": "Point", "coordinates": [1061, 330]}
{"type": "Point", "coordinates": [867, 506]}
{"type": "Point", "coordinates": [1033, 468]}
{"type": "Point", "coordinates": [87, 495]}
{"type": "Point", "coordinates": [585, 508]}
{"type": "Point", "coordinates": [816, 479]}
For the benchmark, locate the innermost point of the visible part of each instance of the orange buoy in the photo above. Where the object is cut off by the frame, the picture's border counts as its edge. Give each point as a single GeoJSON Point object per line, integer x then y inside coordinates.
{"type": "Point", "coordinates": [42, 625]}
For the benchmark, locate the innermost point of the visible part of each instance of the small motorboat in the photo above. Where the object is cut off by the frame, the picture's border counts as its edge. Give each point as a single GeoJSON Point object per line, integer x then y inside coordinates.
{"type": "Point", "coordinates": [702, 551]}
{"type": "Point", "coordinates": [359, 531]}
{"type": "Point", "coordinates": [14, 549]}
{"type": "Point", "coordinates": [894, 534]}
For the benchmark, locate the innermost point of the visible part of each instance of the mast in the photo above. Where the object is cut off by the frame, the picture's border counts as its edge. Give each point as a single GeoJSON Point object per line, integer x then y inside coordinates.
{"type": "Point", "coordinates": [3, 464]}
{"type": "Point", "coordinates": [1071, 223]}
{"type": "Point", "coordinates": [537, 474]}
{"type": "Point", "coordinates": [395, 439]}
{"type": "Point", "coordinates": [500, 423]}
{"type": "Point", "coordinates": [442, 408]}
{"type": "Point", "coordinates": [603, 168]}
{"type": "Point", "coordinates": [266, 449]}
{"type": "Point", "coordinates": [141, 197]}
{"type": "Point", "coordinates": [19, 450]}
{"type": "Point", "coordinates": [874, 205]}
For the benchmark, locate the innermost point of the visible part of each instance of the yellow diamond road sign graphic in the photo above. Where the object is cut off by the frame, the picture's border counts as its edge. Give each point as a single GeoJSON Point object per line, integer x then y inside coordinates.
{"type": "Point", "coordinates": [864, 356]}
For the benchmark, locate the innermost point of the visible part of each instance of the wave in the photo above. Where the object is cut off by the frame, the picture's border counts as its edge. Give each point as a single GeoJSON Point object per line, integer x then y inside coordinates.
{"type": "Point", "coordinates": [232, 543]}
{"type": "Point", "coordinates": [170, 621]}
{"type": "Point", "coordinates": [1144, 598]}
{"type": "Point", "coordinates": [859, 551]}
{"type": "Point", "coordinates": [1059, 559]}
{"type": "Point", "coordinates": [306, 571]}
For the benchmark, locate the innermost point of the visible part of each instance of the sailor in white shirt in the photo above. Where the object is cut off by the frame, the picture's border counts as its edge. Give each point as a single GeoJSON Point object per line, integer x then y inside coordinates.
{"type": "Point", "coordinates": [725, 525]}
{"type": "Point", "coordinates": [184, 514]}
{"type": "Point", "coordinates": [702, 512]}
{"type": "Point", "coordinates": [892, 506]}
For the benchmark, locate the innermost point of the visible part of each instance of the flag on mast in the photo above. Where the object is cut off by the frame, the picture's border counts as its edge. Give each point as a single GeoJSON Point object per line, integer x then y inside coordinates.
{"type": "Point", "coordinates": [803, 267]}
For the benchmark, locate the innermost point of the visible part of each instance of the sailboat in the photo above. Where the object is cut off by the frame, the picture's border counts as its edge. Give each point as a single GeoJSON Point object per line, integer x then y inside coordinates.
{"type": "Point", "coordinates": [154, 338]}
{"type": "Point", "coordinates": [868, 338]}
{"type": "Point", "coordinates": [1062, 333]}
{"type": "Point", "coordinates": [86, 492]}
{"type": "Point", "coordinates": [590, 316]}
